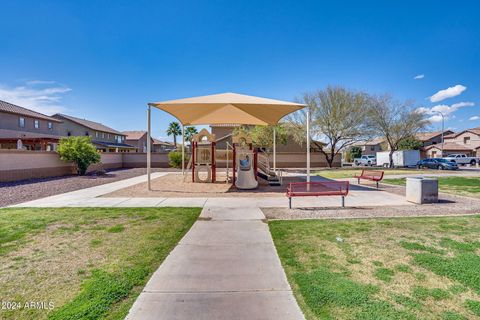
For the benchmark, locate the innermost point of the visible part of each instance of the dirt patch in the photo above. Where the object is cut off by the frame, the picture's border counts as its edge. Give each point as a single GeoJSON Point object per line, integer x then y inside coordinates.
{"type": "Point", "coordinates": [175, 185]}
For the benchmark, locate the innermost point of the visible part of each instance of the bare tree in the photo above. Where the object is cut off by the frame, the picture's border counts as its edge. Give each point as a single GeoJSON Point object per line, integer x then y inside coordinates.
{"type": "Point", "coordinates": [338, 116]}
{"type": "Point", "coordinates": [395, 121]}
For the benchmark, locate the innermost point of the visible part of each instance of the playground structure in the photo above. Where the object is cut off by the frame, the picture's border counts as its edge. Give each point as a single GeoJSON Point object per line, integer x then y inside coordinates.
{"type": "Point", "coordinates": [244, 162]}
{"type": "Point", "coordinates": [203, 156]}
{"type": "Point", "coordinates": [228, 108]}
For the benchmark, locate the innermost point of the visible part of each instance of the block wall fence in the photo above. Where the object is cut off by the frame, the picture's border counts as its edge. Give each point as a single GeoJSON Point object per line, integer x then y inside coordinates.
{"type": "Point", "coordinates": [18, 165]}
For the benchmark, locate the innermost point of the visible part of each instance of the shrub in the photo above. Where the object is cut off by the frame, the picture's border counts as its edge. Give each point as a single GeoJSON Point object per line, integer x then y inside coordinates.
{"type": "Point", "coordinates": [409, 144]}
{"type": "Point", "coordinates": [352, 153]}
{"type": "Point", "coordinates": [175, 159]}
{"type": "Point", "coordinates": [79, 150]}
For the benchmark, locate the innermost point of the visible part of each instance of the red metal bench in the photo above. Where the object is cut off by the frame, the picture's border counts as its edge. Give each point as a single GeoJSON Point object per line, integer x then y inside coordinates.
{"type": "Point", "coordinates": [316, 189]}
{"type": "Point", "coordinates": [372, 175]}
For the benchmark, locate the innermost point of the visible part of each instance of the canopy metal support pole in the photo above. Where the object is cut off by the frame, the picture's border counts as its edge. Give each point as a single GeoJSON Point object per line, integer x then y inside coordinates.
{"type": "Point", "coordinates": [149, 146]}
{"type": "Point", "coordinates": [274, 150]}
{"type": "Point", "coordinates": [183, 150]}
{"type": "Point", "coordinates": [308, 144]}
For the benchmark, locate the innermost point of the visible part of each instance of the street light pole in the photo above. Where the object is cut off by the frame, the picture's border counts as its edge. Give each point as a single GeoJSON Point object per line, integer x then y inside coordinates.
{"type": "Point", "coordinates": [443, 127]}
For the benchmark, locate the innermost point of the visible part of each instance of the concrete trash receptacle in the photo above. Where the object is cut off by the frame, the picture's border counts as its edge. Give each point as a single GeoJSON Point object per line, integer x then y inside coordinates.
{"type": "Point", "coordinates": [422, 190]}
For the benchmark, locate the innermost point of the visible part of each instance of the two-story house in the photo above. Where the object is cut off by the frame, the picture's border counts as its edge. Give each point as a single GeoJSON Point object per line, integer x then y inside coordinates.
{"type": "Point", "coordinates": [371, 147]}
{"type": "Point", "coordinates": [466, 141]}
{"type": "Point", "coordinates": [431, 138]}
{"type": "Point", "coordinates": [22, 128]}
{"type": "Point", "coordinates": [104, 138]}
{"type": "Point", "coordinates": [138, 139]}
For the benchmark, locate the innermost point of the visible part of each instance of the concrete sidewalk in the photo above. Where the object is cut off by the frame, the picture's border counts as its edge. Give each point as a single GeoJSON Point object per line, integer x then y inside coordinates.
{"type": "Point", "coordinates": [224, 268]}
{"type": "Point", "coordinates": [359, 196]}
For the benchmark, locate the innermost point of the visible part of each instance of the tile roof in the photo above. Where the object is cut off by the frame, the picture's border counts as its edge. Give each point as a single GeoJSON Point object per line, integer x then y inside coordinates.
{"type": "Point", "coordinates": [134, 135]}
{"type": "Point", "coordinates": [159, 142]}
{"type": "Point", "coordinates": [473, 130]}
{"type": "Point", "coordinates": [12, 108]}
{"type": "Point", "coordinates": [371, 142]}
{"type": "Point", "coordinates": [449, 146]}
{"type": "Point", "coordinates": [425, 136]}
{"type": "Point", "coordinates": [15, 134]}
{"type": "Point", "coordinates": [87, 123]}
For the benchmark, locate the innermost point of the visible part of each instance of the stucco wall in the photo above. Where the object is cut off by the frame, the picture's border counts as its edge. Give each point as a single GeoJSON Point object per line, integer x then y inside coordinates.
{"type": "Point", "coordinates": [473, 143]}
{"type": "Point", "coordinates": [76, 129]}
{"type": "Point", "coordinates": [139, 160]}
{"type": "Point", "coordinates": [11, 122]}
{"type": "Point", "coordinates": [20, 165]}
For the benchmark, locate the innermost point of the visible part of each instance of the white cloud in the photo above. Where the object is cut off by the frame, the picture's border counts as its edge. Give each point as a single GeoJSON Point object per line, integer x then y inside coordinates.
{"type": "Point", "coordinates": [419, 76]}
{"type": "Point", "coordinates": [34, 82]}
{"type": "Point", "coordinates": [446, 110]}
{"type": "Point", "coordinates": [41, 96]}
{"type": "Point", "coordinates": [448, 93]}
{"type": "Point", "coordinates": [474, 118]}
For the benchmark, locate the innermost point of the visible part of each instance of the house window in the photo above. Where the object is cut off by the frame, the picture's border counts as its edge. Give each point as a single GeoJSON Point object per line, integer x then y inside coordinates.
{"type": "Point", "coordinates": [50, 126]}
{"type": "Point", "coordinates": [21, 122]}
{"type": "Point", "coordinates": [96, 134]}
{"type": "Point", "coordinates": [466, 140]}
{"type": "Point", "coordinates": [103, 135]}
{"type": "Point", "coordinates": [372, 148]}
{"type": "Point", "coordinates": [108, 136]}
{"type": "Point", "coordinates": [36, 124]}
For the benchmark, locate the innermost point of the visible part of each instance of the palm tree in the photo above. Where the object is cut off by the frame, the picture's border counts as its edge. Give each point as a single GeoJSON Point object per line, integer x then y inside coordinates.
{"type": "Point", "coordinates": [189, 132]}
{"type": "Point", "coordinates": [174, 130]}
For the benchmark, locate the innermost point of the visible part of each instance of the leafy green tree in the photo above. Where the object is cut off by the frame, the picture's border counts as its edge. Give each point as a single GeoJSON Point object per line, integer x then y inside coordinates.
{"type": "Point", "coordinates": [409, 143]}
{"type": "Point", "coordinates": [262, 136]}
{"type": "Point", "coordinates": [354, 152]}
{"type": "Point", "coordinates": [174, 130]}
{"type": "Point", "coordinates": [338, 116]}
{"type": "Point", "coordinates": [79, 150]}
{"type": "Point", "coordinates": [395, 121]}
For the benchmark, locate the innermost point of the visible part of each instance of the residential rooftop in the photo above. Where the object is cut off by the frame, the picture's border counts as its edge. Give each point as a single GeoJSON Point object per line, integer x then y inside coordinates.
{"type": "Point", "coordinates": [14, 109]}
{"type": "Point", "coordinates": [425, 136]}
{"type": "Point", "coordinates": [134, 135]}
{"type": "Point", "coordinates": [97, 126]}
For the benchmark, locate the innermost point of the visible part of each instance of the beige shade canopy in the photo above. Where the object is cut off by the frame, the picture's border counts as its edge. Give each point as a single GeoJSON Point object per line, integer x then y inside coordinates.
{"type": "Point", "coordinates": [229, 108]}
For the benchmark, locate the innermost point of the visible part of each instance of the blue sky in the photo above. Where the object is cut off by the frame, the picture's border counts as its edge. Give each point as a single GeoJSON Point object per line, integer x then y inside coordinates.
{"type": "Point", "coordinates": [104, 60]}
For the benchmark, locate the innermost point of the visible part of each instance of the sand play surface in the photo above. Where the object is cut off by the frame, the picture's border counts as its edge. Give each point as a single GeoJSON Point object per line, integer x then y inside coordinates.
{"type": "Point", "coordinates": [174, 185]}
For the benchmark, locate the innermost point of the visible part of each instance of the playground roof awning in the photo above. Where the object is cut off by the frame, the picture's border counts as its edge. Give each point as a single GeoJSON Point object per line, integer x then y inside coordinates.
{"type": "Point", "coordinates": [229, 108]}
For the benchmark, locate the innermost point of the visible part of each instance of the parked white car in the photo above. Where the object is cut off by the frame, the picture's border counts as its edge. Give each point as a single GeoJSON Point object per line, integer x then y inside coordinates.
{"type": "Point", "coordinates": [461, 158]}
{"type": "Point", "coordinates": [369, 160]}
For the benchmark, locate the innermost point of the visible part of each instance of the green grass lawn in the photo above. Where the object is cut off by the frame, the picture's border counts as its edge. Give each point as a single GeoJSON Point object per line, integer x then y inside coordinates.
{"type": "Point", "coordinates": [90, 263]}
{"type": "Point", "coordinates": [409, 268]}
{"type": "Point", "coordinates": [350, 172]}
{"type": "Point", "coordinates": [468, 186]}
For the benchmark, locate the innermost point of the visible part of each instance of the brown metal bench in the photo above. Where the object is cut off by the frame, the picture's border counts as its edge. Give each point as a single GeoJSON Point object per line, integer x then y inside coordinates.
{"type": "Point", "coordinates": [372, 175]}
{"type": "Point", "coordinates": [316, 189]}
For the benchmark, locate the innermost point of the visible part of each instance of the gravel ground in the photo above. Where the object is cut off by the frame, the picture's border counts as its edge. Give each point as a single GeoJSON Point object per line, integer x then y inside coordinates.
{"type": "Point", "coordinates": [17, 192]}
{"type": "Point", "coordinates": [449, 205]}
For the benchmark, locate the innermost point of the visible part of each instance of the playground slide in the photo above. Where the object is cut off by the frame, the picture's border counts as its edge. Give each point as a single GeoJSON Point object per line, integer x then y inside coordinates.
{"type": "Point", "coordinates": [245, 175]}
